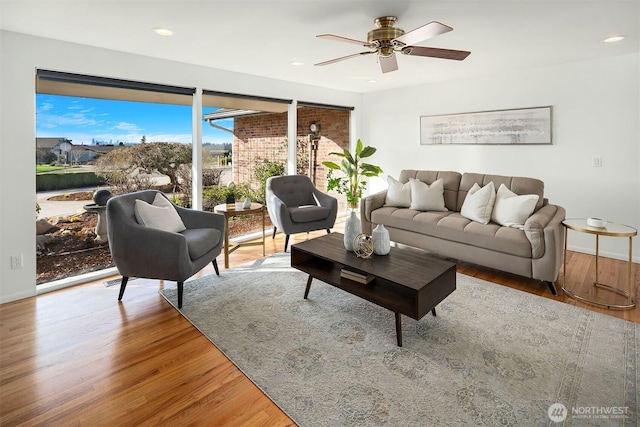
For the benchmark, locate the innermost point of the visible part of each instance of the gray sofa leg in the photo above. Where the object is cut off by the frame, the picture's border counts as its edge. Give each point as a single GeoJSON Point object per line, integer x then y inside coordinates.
{"type": "Point", "coordinates": [123, 285]}
{"type": "Point", "coordinates": [286, 243]}
{"type": "Point", "coordinates": [552, 288]}
{"type": "Point", "coordinates": [274, 232]}
{"type": "Point", "coordinates": [180, 289]}
{"type": "Point", "coordinates": [215, 266]}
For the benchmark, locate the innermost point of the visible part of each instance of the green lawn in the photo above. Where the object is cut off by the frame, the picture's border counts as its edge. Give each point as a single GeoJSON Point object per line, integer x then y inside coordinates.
{"type": "Point", "coordinates": [47, 168]}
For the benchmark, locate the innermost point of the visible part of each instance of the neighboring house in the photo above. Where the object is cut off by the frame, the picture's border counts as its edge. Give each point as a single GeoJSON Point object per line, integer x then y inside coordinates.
{"type": "Point", "coordinates": [61, 149]}
{"type": "Point", "coordinates": [48, 149]}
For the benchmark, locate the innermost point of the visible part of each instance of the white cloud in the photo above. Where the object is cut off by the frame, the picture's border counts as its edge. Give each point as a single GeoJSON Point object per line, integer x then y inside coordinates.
{"type": "Point", "coordinates": [127, 126]}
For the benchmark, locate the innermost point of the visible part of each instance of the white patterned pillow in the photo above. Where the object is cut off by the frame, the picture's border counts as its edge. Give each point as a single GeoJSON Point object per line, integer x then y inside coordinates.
{"type": "Point", "coordinates": [511, 210]}
{"type": "Point", "coordinates": [425, 197]}
{"type": "Point", "coordinates": [160, 215]}
{"type": "Point", "coordinates": [478, 204]}
{"type": "Point", "coordinates": [398, 194]}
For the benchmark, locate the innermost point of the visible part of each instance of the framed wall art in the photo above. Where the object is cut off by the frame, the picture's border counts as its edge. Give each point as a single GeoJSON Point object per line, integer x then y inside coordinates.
{"type": "Point", "coordinates": [522, 126]}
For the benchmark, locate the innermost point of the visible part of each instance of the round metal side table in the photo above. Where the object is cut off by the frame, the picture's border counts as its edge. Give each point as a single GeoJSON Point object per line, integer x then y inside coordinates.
{"type": "Point", "coordinates": [612, 230]}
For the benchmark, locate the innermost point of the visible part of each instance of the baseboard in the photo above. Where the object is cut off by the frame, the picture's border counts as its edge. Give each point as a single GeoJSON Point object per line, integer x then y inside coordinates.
{"type": "Point", "coordinates": [603, 254]}
{"type": "Point", "coordinates": [75, 280]}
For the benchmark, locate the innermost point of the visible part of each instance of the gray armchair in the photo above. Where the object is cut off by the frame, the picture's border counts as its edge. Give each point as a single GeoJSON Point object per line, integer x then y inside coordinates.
{"type": "Point", "coordinates": [140, 251]}
{"type": "Point", "coordinates": [295, 205]}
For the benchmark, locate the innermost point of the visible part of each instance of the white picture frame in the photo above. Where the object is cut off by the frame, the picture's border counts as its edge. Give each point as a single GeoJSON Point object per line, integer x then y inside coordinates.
{"type": "Point", "coordinates": [521, 126]}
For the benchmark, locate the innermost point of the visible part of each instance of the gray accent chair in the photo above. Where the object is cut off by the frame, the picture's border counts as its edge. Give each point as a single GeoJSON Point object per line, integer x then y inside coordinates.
{"type": "Point", "coordinates": [139, 251]}
{"type": "Point", "coordinates": [295, 205]}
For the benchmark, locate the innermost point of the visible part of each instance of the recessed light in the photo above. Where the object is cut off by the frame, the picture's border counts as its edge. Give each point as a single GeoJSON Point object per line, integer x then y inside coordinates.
{"type": "Point", "coordinates": [614, 39]}
{"type": "Point", "coordinates": [162, 31]}
{"type": "Point", "coordinates": [296, 63]}
{"type": "Point", "coordinates": [372, 81]}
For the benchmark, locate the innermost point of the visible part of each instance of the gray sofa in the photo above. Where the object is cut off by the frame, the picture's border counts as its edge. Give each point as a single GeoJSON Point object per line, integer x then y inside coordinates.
{"type": "Point", "coordinates": [535, 251]}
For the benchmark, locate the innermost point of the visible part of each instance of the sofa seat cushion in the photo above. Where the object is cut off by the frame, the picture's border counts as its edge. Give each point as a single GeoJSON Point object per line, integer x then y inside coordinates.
{"type": "Point", "coordinates": [308, 213]}
{"type": "Point", "coordinates": [454, 227]}
{"type": "Point", "coordinates": [201, 240]}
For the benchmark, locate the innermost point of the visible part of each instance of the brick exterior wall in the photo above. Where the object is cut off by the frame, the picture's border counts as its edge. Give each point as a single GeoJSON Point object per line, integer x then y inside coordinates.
{"type": "Point", "coordinates": [264, 137]}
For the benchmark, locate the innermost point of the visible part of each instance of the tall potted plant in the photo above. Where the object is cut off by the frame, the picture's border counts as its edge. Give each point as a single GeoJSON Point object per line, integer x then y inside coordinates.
{"type": "Point", "coordinates": [352, 184]}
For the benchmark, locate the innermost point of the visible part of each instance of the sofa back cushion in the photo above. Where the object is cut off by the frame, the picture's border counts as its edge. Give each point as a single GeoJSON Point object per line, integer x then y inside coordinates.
{"type": "Point", "coordinates": [517, 184]}
{"type": "Point", "coordinates": [450, 179]}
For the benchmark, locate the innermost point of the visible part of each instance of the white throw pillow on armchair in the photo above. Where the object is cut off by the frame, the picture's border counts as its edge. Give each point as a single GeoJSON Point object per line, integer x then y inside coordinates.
{"type": "Point", "coordinates": [160, 215]}
{"type": "Point", "coordinates": [425, 197]}
{"type": "Point", "coordinates": [398, 194]}
{"type": "Point", "coordinates": [478, 204]}
{"type": "Point", "coordinates": [511, 210]}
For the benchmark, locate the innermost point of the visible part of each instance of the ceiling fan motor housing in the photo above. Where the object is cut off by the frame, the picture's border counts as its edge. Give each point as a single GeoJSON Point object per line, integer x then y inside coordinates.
{"type": "Point", "coordinates": [384, 34]}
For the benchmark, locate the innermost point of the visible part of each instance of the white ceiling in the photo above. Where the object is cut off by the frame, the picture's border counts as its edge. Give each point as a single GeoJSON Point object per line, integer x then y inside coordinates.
{"type": "Point", "coordinates": [264, 37]}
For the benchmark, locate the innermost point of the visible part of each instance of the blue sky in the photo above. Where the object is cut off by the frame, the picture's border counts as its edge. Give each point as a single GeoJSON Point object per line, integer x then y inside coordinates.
{"type": "Point", "coordinates": [83, 119]}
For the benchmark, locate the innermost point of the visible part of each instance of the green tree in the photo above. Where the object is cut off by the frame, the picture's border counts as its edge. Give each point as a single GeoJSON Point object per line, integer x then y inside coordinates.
{"type": "Point", "coordinates": [161, 157]}
{"type": "Point", "coordinates": [263, 171]}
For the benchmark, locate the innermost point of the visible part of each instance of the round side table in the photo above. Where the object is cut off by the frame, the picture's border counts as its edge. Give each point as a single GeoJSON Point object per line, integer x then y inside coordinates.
{"type": "Point", "coordinates": [613, 230]}
{"type": "Point", "coordinates": [230, 211]}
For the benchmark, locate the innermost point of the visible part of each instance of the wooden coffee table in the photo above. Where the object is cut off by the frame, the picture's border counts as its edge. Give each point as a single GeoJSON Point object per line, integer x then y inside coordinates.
{"type": "Point", "coordinates": [405, 281]}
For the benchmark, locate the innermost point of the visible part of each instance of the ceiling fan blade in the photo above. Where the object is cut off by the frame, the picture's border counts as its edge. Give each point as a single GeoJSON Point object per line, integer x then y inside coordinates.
{"type": "Point", "coordinates": [388, 63]}
{"type": "Point", "coordinates": [344, 39]}
{"type": "Point", "coordinates": [331, 61]}
{"type": "Point", "coordinates": [433, 52]}
{"type": "Point", "coordinates": [425, 32]}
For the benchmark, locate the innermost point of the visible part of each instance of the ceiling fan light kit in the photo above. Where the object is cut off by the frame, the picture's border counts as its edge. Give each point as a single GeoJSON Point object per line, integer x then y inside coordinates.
{"type": "Point", "coordinates": [386, 39]}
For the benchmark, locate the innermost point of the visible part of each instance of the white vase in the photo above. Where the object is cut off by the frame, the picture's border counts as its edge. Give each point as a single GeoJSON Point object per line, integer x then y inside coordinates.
{"type": "Point", "coordinates": [247, 203]}
{"type": "Point", "coordinates": [381, 240]}
{"type": "Point", "coordinates": [352, 228]}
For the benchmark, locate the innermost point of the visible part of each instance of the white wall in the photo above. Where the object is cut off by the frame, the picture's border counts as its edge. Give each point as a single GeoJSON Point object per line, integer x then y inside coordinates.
{"type": "Point", "coordinates": [20, 56]}
{"type": "Point", "coordinates": [595, 114]}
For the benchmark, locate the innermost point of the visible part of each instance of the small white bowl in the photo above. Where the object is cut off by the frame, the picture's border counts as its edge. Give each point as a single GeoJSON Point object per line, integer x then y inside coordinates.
{"type": "Point", "coordinates": [596, 222]}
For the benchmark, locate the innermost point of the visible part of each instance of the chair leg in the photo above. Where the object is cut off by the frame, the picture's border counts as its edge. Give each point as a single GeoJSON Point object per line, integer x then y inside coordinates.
{"type": "Point", "coordinates": [286, 243]}
{"type": "Point", "coordinates": [123, 285]}
{"type": "Point", "coordinates": [180, 289]}
{"type": "Point", "coordinates": [215, 266]}
{"type": "Point", "coordinates": [274, 232]}
{"type": "Point", "coordinates": [328, 230]}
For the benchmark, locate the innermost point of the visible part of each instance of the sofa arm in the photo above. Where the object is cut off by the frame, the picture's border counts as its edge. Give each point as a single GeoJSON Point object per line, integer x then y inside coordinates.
{"type": "Point", "coordinates": [278, 212]}
{"type": "Point", "coordinates": [548, 228]}
{"type": "Point", "coordinates": [534, 228]}
{"type": "Point", "coordinates": [326, 200]}
{"type": "Point", "coordinates": [368, 205]}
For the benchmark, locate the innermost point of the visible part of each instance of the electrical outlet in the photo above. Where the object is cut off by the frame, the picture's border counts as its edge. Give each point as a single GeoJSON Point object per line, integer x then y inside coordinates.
{"type": "Point", "coordinates": [16, 262]}
{"type": "Point", "coordinates": [596, 162]}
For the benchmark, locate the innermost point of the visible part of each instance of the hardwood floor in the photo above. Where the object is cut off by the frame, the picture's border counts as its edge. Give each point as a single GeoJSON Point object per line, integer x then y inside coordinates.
{"type": "Point", "coordinates": [78, 357]}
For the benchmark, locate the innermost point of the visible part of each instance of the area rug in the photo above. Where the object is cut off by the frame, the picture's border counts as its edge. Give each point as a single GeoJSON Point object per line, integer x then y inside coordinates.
{"type": "Point", "coordinates": [492, 355]}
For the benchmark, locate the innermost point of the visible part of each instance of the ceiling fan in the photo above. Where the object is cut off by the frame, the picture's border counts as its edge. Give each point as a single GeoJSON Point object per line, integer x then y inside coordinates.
{"type": "Point", "coordinates": [386, 40]}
